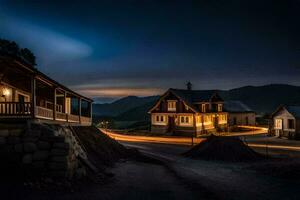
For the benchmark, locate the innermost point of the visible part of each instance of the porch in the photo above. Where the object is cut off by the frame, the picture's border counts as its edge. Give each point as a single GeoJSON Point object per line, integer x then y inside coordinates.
{"type": "Point", "coordinates": [27, 93]}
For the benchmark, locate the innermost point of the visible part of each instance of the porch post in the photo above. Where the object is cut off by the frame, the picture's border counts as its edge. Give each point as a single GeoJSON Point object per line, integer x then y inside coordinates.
{"type": "Point", "coordinates": [67, 113]}
{"type": "Point", "coordinates": [64, 106]}
{"type": "Point", "coordinates": [202, 121]}
{"type": "Point", "coordinates": [54, 104]}
{"type": "Point", "coordinates": [194, 134]}
{"type": "Point", "coordinates": [91, 110]}
{"type": "Point", "coordinates": [33, 96]}
{"type": "Point", "coordinates": [79, 109]}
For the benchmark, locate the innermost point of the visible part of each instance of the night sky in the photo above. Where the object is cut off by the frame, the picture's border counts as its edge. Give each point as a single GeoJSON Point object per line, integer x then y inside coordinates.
{"type": "Point", "coordinates": [109, 49]}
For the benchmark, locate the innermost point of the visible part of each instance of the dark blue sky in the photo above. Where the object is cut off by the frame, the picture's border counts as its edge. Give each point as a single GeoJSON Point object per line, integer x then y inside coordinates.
{"type": "Point", "coordinates": [109, 49]}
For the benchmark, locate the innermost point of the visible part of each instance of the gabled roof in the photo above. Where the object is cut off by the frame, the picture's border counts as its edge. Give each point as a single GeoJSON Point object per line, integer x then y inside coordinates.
{"type": "Point", "coordinates": [194, 96]}
{"type": "Point", "coordinates": [292, 109]}
{"type": "Point", "coordinates": [236, 106]}
{"type": "Point", "coordinates": [190, 97]}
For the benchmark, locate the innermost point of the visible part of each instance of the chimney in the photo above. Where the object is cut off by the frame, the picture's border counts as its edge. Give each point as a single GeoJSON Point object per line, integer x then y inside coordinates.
{"type": "Point", "coordinates": [189, 85]}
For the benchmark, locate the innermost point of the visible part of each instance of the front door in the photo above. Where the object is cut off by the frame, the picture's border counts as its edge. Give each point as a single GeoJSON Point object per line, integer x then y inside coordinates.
{"type": "Point", "coordinates": [171, 124]}
{"type": "Point", "coordinates": [21, 105]}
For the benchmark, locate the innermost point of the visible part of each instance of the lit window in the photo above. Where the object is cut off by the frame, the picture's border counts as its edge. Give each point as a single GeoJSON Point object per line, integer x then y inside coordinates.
{"type": "Point", "coordinates": [203, 108]}
{"type": "Point", "coordinates": [207, 119]}
{"type": "Point", "coordinates": [278, 123]}
{"type": "Point", "coordinates": [187, 120]}
{"type": "Point", "coordinates": [182, 119]}
{"type": "Point", "coordinates": [171, 105]}
{"type": "Point", "coordinates": [159, 118]}
{"type": "Point", "coordinates": [220, 107]}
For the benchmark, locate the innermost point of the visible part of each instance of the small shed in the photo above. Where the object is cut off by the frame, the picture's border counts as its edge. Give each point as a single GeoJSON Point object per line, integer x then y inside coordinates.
{"type": "Point", "coordinates": [239, 113]}
{"type": "Point", "coordinates": [286, 121]}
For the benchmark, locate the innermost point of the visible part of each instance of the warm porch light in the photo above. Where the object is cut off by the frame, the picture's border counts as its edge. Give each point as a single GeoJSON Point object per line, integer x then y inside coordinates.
{"type": "Point", "coordinates": [5, 92]}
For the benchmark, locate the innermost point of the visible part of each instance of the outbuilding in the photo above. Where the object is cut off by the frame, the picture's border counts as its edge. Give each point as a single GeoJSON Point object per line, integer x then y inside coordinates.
{"type": "Point", "coordinates": [239, 114]}
{"type": "Point", "coordinates": [286, 122]}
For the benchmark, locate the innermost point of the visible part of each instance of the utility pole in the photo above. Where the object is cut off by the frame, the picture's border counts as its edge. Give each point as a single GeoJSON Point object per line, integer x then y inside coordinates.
{"type": "Point", "coordinates": [267, 150]}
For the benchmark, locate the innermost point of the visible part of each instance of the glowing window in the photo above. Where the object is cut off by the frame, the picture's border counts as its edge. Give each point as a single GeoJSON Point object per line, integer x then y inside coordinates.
{"type": "Point", "coordinates": [171, 105]}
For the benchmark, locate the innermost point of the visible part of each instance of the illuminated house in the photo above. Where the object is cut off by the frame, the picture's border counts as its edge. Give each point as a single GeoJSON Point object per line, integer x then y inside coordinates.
{"type": "Point", "coordinates": [26, 93]}
{"type": "Point", "coordinates": [187, 112]}
{"type": "Point", "coordinates": [286, 122]}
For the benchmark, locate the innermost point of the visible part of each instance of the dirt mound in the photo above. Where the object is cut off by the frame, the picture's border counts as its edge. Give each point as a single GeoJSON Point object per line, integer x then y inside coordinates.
{"type": "Point", "coordinates": [101, 149]}
{"type": "Point", "coordinates": [230, 149]}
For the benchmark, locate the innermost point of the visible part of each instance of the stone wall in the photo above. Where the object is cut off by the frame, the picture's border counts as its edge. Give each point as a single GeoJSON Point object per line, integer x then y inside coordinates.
{"type": "Point", "coordinates": [40, 149]}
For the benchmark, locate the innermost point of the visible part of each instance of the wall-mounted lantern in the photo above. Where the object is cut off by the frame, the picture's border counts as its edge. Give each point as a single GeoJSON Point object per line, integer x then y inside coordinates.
{"type": "Point", "coordinates": [5, 93]}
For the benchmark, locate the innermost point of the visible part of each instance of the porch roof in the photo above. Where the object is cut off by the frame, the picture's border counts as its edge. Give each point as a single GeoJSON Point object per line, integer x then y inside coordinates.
{"type": "Point", "coordinates": [14, 62]}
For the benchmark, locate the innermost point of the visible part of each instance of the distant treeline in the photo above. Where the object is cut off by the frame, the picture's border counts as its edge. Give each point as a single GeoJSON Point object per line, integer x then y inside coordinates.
{"type": "Point", "coordinates": [11, 48]}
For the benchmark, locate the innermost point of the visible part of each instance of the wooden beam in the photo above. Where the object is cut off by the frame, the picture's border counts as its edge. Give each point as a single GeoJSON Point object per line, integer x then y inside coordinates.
{"type": "Point", "coordinates": [54, 104]}
{"type": "Point", "coordinates": [33, 96]}
{"type": "Point", "coordinates": [91, 110]}
{"type": "Point", "coordinates": [45, 81]}
{"type": "Point", "coordinates": [202, 122]}
{"type": "Point", "coordinates": [79, 109]}
{"type": "Point", "coordinates": [195, 126]}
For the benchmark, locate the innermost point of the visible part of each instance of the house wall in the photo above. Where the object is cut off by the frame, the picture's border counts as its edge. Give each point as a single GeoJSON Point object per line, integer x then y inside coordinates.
{"type": "Point", "coordinates": [194, 125]}
{"type": "Point", "coordinates": [241, 119]}
{"type": "Point", "coordinates": [12, 94]}
{"type": "Point", "coordinates": [284, 130]}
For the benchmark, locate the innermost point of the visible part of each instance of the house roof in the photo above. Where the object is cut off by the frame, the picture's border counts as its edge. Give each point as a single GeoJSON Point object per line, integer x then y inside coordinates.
{"type": "Point", "coordinates": [17, 63]}
{"type": "Point", "coordinates": [190, 97]}
{"type": "Point", "coordinates": [236, 106]}
{"type": "Point", "coordinates": [194, 96]}
{"type": "Point", "coordinates": [292, 109]}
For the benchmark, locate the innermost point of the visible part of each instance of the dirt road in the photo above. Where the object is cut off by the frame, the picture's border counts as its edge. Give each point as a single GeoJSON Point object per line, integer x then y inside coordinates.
{"type": "Point", "coordinates": [224, 180]}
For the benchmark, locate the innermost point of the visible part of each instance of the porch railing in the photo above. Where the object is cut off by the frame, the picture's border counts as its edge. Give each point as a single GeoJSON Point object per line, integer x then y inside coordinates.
{"type": "Point", "coordinates": [85, 120]}
{"type": "Point", "coordinates": [61, 116]}
{"type": "Point", "coordinates": [15, 108]}
{"type": "Point", "coordinates": [44, 113]}
{"type": "Point", "coordinates": [73, 118]}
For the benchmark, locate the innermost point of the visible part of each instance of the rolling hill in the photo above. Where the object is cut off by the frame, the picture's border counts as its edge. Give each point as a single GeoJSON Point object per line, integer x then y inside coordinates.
{"type": "Point", "coordinates": [121, 106]}
{"type": "Point", "coordinates": [262, 99]}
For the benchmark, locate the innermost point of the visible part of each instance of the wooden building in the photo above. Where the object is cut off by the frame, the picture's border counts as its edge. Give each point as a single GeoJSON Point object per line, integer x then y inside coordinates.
{"type": "Point", "coordinates": [286, 122]}
{"type": "Point", "coordinates": [187, 112]}
{"type": "Point", "coordinates": [239, 114]}
{"type": "Point", "coordinates": [26, 93]}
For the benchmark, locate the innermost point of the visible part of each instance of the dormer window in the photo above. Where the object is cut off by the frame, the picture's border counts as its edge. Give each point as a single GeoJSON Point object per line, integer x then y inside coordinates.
{"type": "Point", "coordinates": [203, 108]}
{"type": "Point", "coordinates": [172, 105]}
{"type": "Point", "coordinates": [220, 107]}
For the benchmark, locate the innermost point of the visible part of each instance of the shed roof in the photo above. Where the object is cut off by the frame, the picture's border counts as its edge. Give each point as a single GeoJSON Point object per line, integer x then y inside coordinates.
{"type": "Point", "coordinates": [294, 110]}
{"type": "Point", "coordinates": [236, 106]}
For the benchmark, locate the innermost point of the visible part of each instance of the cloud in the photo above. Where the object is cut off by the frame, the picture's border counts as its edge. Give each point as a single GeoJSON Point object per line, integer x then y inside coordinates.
{"type": "Point", "coordinates": [118, 92]}
{"type": "Point", "coordinates": [48, 45]}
